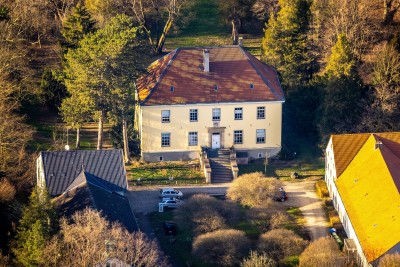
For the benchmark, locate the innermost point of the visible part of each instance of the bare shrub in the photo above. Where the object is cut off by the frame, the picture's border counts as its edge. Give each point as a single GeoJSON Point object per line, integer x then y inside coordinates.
{"type": "Point", "coordinates": [321, 252]}
{"type": "Point", "coordinates": [90, 239]}
{"type": "Point", "coordinates": [203, 213]}
{"type": "Point", "coordinates": [258, 260]}
{"type": "Point", "coordinates": [280, 243]}
{"type": "Point", "coordinates": [278, 219]}
{"type": "Point", "coordinates": [253, 190]}
{"type": "Point", "coordinates": [7, 191]}
{"type": "Point", "coordinates": [225, 247]}
{"type": "Point", "coordinates": [390, 260]}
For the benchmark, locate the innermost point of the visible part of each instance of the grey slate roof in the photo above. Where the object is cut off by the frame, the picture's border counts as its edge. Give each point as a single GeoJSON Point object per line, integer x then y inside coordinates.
{"type": "Point", "coordinates": [90, 194]}
{"type": "Point", "coordinates": [63, 168]}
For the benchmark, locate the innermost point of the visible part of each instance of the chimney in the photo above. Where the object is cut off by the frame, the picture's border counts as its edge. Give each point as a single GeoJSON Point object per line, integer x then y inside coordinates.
{"type": "Point", "coordinates": [378, 144]}
{"type": "Point", "coordinates": [206, 60]}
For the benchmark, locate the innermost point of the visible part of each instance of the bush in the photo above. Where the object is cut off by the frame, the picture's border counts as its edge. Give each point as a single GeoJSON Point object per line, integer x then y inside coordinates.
{"type": "Point", "coordinates": [203, 213]}
{"type": "Point", "coordinates": [253, 190]}
{"type": "Point", "coordinates": [321, 189]}
{"type": "Point", "coordinates": [281, 243]}
{"type": "Point", "coordinates": [390, 260]}
{"type": "Point", "coordinates": [222, 247]}
{"type": "Point", "coordinates": [258, 260]}
{"type": "Point", "coordinates": [321, 252]}
{"type": "Point", "coordinates": [334, 218]}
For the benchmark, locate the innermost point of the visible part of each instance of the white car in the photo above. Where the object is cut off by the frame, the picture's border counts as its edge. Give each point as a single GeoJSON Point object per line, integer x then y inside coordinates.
{"type": "Point", "coordinates": [170, 193]}
{"type": "Point", "coordinates": [170, 203]}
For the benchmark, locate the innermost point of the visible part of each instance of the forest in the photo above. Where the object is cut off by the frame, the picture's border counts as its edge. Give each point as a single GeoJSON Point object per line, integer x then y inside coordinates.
{"type": "Point", "coordinates": [338, 61]}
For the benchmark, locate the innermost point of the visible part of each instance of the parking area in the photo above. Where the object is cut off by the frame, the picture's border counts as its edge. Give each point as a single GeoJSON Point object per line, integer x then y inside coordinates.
{"type": "Point", "coordinates": [145, 200]}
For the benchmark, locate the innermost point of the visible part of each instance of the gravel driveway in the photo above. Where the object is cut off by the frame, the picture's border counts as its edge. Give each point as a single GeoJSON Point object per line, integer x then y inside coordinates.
{"type": "Point", "coordinates": [302, 194]}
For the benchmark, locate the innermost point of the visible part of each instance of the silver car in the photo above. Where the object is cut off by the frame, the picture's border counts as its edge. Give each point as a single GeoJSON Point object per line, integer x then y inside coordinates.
{"type": "Point", "coordinates": [170, 193]}
{"type": "Point", "coordinates": [170, 203]}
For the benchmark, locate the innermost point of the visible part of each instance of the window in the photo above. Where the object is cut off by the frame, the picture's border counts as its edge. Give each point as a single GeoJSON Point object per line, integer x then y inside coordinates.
{"type": "Point", "coordinates": [260, 136]}
{"type": "Point", "coordinates": [238, 137]}
{"type": "Point", "coordinates": [165, 139]}
{"type": "Point", "coordinates": [193, 139]}
{"type": "Point", "coordinates": [165, 116]}
{"type": "Point", "coordinates": [193, 115]}
{"type": "Point", "coordinates": [161, 158]}
{"type": "Point", "coordinates": [251, 86]}
{"type": "Point", "coordinates": [216, 114]}
{"type": "Point", "coordinates": [260, 112]}
{"type": "Point", "coordinates": [238, 113]}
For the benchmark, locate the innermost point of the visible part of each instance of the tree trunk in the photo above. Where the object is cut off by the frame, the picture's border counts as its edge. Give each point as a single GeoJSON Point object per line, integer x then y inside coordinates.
{"type": "Point", "coordinates": [125, 139]}
{"type": "Point", "coordinates": [100, 131]}
{"type": "Point", "coordinates": [78, 138]}
{"type": "Point", "coordinates": [235, 35]}
{"type": "Point", "coordinates": [163, 36]}
{"type": "Point", "coordinates": [389, 11]}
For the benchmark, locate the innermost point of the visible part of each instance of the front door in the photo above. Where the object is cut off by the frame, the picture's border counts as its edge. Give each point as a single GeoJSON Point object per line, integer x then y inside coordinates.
{"type": "Point", "coordinates": [216, 141]}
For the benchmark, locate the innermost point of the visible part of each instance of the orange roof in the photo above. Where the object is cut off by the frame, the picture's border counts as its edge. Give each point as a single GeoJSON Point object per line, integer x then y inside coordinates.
{"type": "Point", "coordinates": [231, 69]}
{"type": "Point", "coordinates": [369, 188]}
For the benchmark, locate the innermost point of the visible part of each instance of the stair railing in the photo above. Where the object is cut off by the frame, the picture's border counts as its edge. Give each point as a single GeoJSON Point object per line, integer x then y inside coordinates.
{"type": "Point", "coordinates": [205, 164]}
{"type": "Point", "coordinates": [234, 166]}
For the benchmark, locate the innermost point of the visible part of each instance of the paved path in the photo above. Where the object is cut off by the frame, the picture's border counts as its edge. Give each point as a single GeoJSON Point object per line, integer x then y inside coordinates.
{"type": "Point", "coordinates": [302, 195]}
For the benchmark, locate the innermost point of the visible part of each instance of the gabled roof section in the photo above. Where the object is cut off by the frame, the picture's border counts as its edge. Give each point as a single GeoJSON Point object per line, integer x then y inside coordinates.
{"type": "Point", "coordinates": [346, 146]}
{"type": "Point", "coordinates": [66, 169]}
{"type": "Point", "coordinates": [114, 207]}
{"type": "Point", "coordinates": [369, 190]}
{"type": "Point", "coordinates": [232, 70]}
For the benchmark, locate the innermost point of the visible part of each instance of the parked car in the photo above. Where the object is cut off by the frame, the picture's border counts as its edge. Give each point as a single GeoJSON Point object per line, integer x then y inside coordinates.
{"type": "Point", "coordinates": [171, 193]}
{"type": "Point", "coordinates": [169, 228]}
{"type": "Point", "coordinates": [171, 203]}
{"type": "Point", "coordinates": [280, 195]}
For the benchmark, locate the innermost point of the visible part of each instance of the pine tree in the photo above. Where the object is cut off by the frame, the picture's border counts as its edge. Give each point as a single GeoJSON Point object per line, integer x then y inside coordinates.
{"type": "Point", "coordinates": [102, 70]}
{"type": "Point", "coordinates": [285, 44]}
{"type": "Point", "coordinates": [342, 61]}
{"type": "Point", "coordinates": [38, 223]}
{"type": "Point", "coordinates": [78, 23]}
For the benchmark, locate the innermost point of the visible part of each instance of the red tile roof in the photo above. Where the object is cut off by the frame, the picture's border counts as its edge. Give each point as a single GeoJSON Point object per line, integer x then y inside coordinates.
{"type": "Point", "coordinates": [231, 69]}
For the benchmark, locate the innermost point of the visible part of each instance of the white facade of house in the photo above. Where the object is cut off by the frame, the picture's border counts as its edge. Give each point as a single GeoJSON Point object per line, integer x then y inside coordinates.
{"type": "Point", "coordinates": [253, 127]}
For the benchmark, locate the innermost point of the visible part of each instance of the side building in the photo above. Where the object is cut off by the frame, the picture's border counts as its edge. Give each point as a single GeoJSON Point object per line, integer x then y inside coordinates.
{"type": "Point", "coordinates": [362, 172]}
{"type": "Point", "coordinates": [214, 97]}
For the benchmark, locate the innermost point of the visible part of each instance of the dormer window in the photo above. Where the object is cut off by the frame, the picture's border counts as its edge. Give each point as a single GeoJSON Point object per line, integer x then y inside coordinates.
{"type": "Point", "coordinates": [251, 86]}
{"type": "Point", "coordinates": [172, 88]}
{"type": "Point", "coordinates": [215, 87]}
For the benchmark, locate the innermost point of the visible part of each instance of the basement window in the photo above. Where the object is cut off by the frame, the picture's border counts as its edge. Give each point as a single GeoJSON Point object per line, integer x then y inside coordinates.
{"type": "Point", "coordinates": [161, 158]}
{"type": "Point", "coordinates": [215, 87]}
{"type": "Point", "coordinates": [172, 88]}
{"type": "Point", "coordinates": [251, 86]}
{"type": "Point", "coordinates": [259, 155]}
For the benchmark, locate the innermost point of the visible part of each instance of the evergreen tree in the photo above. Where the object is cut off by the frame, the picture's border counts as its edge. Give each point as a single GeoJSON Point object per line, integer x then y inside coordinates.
{"type": "Point", "coordinates": [102, 70]}
{"type": "Point", "coordinates": [78, 23]}
{"type": "Point", "coordinates": [342, 61]}
{"type": "Point", "coordinates": [38, 223]}
{"type": "Point", "coordinates": [285, 44]}
{"type": "Point", "coordinates": [53, 89]}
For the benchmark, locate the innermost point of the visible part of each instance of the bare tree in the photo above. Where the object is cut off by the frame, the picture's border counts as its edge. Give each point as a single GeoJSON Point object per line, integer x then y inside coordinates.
{"type": "Point", "coordinates": [90, 239]}
{"type": "Point", "coordinates": [148, 11]}
{"type": "Point", "coordinates": [390, 8]}
{"type": "Point", "coordinates": [390, 260]}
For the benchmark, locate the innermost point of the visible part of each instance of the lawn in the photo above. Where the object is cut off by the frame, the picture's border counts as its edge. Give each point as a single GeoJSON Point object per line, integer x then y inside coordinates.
{"type": "Point", "coordinates": [283, 169]}
{"type": "Point", "coordinates": [165, 173]}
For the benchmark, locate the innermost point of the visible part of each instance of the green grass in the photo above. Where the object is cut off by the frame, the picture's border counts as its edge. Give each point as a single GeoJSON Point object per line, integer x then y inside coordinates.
{"type": "Point", "coordinates": [296, 222]}
{"type": "Point", "coordinates": [165, 173]}
{"type": "Point", "coordinates": [283, 169]}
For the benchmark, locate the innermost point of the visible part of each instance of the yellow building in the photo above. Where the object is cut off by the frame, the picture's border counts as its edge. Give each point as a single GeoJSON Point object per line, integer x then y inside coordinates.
{"type": "Point", "coordinates": [215, 97]}
{"type": "Point", "coordinates": [362, 172]}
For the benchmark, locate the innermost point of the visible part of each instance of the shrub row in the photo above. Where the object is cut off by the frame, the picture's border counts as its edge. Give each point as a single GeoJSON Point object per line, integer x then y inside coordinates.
{"type": "Point", "coordinates": [321, 189]}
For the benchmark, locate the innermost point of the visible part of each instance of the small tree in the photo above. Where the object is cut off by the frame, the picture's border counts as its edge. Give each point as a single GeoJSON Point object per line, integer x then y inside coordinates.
{"type": "Point", "coordinates": [253, 190]}
{"type": "Point", "coordinates": [390, 260]}
{"type": "Point", "coordinates": [281, 243]}
{"type": "Point", "coordinates": [53, 89]}
{"type": "Point", "coordinates": [321, 252]}
{"type": "Point", "coordinates": [222, 247]}
{"type": "Point", "coordinates": [258, 260]}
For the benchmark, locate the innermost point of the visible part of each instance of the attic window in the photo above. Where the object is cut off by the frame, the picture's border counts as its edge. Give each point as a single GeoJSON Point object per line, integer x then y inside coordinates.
{"type": "Point", "coordinates": [251, 86]}
{"type": "Point", "coordinates": [215, 87]}
{"type": "Point", "coordinates": [172, 88]}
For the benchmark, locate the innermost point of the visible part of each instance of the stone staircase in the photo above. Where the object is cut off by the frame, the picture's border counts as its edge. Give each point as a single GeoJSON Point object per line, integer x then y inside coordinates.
{"type": "Point", "coordinates": [221, 171]}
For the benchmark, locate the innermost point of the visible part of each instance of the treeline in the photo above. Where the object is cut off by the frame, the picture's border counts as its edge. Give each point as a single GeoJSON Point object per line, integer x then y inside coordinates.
{"type": "Point", "coordinates": [339, 65]}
